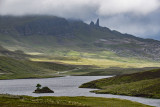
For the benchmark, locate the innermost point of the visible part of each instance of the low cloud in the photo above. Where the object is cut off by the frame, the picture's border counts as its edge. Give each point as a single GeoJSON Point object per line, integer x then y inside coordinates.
{"type": "Point", "coordinates": [124, 15]}
{"type": "Point", "coordinates": [145, 26]}
{"type": "Point", "coordinates": [72, 8]}
{"type": "Point", "coordinates": [140, 7]}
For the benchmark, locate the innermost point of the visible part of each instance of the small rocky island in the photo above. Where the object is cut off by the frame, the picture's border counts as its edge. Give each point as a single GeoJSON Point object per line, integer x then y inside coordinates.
{"type": "Point", "coordinates": [43, 89]}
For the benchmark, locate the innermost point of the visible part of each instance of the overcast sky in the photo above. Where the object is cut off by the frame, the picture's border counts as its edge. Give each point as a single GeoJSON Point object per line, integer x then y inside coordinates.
{"type": "Point", "coordinates": [137, 17]}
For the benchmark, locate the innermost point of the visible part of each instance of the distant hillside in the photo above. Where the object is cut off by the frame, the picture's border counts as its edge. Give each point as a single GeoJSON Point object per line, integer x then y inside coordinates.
{"type": "Point", "coordinates": [17, 54]}
{"type": "Point", "coordinates": [49, 34]}
{"type": "Point", "coordinates": [144, 84]}
{"type": "Point", "coordinates": [14, 69]}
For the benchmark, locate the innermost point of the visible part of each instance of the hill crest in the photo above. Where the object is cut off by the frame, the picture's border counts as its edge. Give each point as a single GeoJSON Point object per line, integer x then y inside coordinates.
{"type": "Point", "coordinates": [37, 33]}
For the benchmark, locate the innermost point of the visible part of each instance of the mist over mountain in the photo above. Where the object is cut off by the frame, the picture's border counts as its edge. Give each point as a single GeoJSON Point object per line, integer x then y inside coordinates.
{"type": "Point", "coordinates": [132, 15]}
{"type": "Point", "coordinates": [50, 33]}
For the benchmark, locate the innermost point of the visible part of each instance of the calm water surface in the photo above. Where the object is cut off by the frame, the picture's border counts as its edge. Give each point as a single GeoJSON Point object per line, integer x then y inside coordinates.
{"type": "Point", "coordinates": [63, 86]}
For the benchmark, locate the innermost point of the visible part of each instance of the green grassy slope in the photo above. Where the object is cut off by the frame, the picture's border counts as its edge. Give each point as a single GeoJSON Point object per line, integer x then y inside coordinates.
{"type": "Point", "coordinates": [12, 68]}
{"type": "Point", "coordinates": [145, 88]}
{"type": "Point", "coordinates": [13, 101]}
{"type": "Point", "coordinates": [144, 84]}
{"type": "Point", "coordinates": [15, 64]}
{"type": "Point", "coordinates": [17, 54]}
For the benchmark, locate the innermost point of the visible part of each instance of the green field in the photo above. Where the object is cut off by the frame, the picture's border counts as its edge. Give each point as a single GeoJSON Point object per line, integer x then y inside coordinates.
{"type": "Point", "coordinates": [144, 84]}
{"type": "Point", "coordinates": [26, 101]}
{"type": "Point", "coordinates": [104, 65]}
{"type": "Point", "coordinates": [17, 64]}
{"type": "Point", "coordinates": [101, 59]}
{"type": "Point", "coordinates": [44, 67]}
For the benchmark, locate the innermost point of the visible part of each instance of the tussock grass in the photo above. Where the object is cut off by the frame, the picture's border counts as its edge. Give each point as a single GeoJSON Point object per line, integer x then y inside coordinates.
{"type": "Point", "coordinates": [21, 101]}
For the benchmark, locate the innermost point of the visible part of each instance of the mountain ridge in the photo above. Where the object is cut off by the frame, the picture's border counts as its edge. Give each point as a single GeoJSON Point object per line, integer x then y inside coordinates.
{"type": "Point", "coordinates": [50, 33]}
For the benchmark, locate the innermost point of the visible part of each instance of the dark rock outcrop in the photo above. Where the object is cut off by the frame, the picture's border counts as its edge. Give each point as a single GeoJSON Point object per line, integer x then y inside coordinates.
{"type": "Point", "coordinates": [92, 23]}
{"type": "Point", "coordinates": [43, 90]}
{"type": "Point", "coordinates": [97, 23]}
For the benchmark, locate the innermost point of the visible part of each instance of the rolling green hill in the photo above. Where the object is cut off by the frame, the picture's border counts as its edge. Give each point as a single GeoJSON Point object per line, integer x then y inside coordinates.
{"type": "Point", "coordinates": [52, 35]}
{"type": "Point", "coordinates": [144, 84]}
{"type": "Point", "coordinates": [16, 64]}
{"type": "Point", "coordinates": [17, 54]}
{"type": "Point", "coordinates": [13, 69]}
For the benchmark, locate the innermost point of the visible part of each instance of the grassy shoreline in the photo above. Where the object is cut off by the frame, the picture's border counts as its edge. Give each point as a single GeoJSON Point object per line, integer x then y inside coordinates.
{"type": "Point", "coordinates": [124, 89]}
{"type": "Point", "coordinates": [142, 84]}
{"type": "Point", "coordinates": [33, 77]}
{"type": "Point", "coordinates": [28, 101]}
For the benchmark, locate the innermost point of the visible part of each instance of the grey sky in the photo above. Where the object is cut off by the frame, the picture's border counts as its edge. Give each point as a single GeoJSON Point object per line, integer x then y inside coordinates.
{"type": "Point", "coordinates": [138, 17]}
